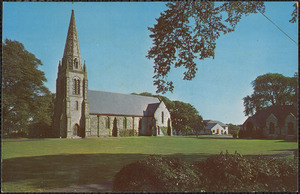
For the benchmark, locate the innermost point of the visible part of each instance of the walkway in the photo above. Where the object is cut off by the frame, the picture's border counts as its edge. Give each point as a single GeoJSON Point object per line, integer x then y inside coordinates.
{"type": "Point", "coordinates": [101, 187]}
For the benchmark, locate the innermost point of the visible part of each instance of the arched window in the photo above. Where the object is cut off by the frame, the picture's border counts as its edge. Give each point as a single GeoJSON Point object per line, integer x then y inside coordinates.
{"type": "Point", "coordinates": [76, 63]}
{"type": "Point", "coordinates": [290, 128]}
{"type": "Point", "coordinates": [271, 128]}
{"type": "Point", "coordinates": [162, 117]}
{"type": "Point", "coordinates": [107, 123]}
{"type": "Point", "coordinates": [70, 63]}
{"type": "Point", "coordinates": [125, 123]}
{"type": "Point", "coordinates": [76, 86]}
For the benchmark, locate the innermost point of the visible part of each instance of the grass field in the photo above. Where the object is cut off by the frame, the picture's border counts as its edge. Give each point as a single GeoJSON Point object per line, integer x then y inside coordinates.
{"type": "Point", "coordinates": [42, 164]}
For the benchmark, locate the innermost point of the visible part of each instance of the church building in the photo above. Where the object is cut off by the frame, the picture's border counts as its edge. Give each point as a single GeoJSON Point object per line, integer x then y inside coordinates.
{"type": "Point", "coordinates": [80, 112]}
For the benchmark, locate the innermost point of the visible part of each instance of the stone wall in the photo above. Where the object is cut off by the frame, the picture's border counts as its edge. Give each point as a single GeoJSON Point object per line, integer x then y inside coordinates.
{"type": "Point", "coordinates": [271, 119]}
{"type": "Point", "coordinates": [104, 125]}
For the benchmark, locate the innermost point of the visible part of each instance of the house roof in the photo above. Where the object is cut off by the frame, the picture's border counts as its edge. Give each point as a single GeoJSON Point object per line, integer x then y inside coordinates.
{"type": "Point", "coordinates": [210, 125]}
{"type": "Point", "coordinates": [214, 121]}
{"type": "Point", "coordinates": [121, 104]}
{"type": "Point", "coordinates": [280, 112]}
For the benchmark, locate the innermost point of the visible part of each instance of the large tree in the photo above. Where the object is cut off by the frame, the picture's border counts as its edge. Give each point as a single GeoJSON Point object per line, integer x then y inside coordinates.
{"type": "Point", "coordinates": [26, 101]}
{"type": "Point", "coordinates": [271, 89]}
{"type": "Point", "coordinates": [188, 30]}
{"type": "Point", "coordinates": [184, 117]}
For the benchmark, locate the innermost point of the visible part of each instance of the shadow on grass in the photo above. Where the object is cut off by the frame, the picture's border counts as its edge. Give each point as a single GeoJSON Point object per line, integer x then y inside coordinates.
{"type": "Point", "coordinates": [58, 171]}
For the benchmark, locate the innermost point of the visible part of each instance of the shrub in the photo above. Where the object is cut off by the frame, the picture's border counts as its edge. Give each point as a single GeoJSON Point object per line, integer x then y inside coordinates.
{"type": "Point", "coordinates": [127, 133]}
{"type": "Point", "coordinates": [156, 174]}
{"type": "Point", "coordinates": [225, 172]}
{"type": "Point", "coordinates": [236, 173]}
{"type": "Point", "coordinates": [218, 173]}
{"type": "Point", "coordinates": [276, 174]}
{"type": "Point", "coordinates": [164, 130]}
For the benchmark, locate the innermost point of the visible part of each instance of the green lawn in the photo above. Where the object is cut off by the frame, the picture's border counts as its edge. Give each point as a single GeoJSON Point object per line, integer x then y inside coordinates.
{"type": "Point", "coordinates": [38, 165]}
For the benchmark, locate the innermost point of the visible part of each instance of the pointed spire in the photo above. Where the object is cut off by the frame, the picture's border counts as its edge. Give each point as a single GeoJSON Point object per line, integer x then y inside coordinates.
{"type": "Point", "coordinates": [72, 51]}
{"type": "Point", "coordinates": [59, 65]}
{"type": "Point", "coordinates": [84, 67]}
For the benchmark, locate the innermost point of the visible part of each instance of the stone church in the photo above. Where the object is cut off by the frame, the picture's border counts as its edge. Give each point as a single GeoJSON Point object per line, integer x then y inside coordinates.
{"type": "Point", "coordinates": [80, 112]}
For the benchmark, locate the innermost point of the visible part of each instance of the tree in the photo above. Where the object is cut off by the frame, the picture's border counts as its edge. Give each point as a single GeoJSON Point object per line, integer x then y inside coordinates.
{"type": "Point", "coordinates": [184, 117]}
{"type": "Point", "coordinates": [188, 30]}
{"type": "Point", "coordinates": [26, 101]}
{"type": "Point", "coordinates": [233, 129]}
{"type": "Point", "coordinates": [198, 124]}
{"type": "Point", "coordinates": [169, 103]}
{"type": "Point", "coordinates": [271, 89]}
{"type": "Point", "coordinates": [295, 13]}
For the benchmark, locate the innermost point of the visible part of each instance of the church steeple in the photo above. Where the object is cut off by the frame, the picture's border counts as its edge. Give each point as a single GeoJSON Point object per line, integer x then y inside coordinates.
{"type": "Point", "coordinates": [72, 57]}
{"type": "Point", "coordinates": [71, 111]}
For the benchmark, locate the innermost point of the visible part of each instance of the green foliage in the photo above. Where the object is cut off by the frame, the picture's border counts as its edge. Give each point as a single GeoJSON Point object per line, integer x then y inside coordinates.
{"type": "Point", "coordinates": [233, 129]}
{"type": "Point", "coordinates": [295, 13]}
{"type": "Point", "coordinates": [185, 117]}
{"type": "Point", "coordinates": [26, 101]}
{"type": "Point", "coordinates": [164, 130]}
{"type": "Point", "coordinates": [197, 124]}
{"type": "Point", "coordinates": [236, 173]}
{"type": "Point", "coordinates": [271, 89]}
{"type": "Point", "coordinates": [156, 174]}
{"type": "Point", "coordinates": [169, 103]}
{"type": "Point", "coordinates": [218, 173]}
{"type": "Point", "coordinates": [188, 30]}
{"type": "Point", "coordinates": [127, 133]}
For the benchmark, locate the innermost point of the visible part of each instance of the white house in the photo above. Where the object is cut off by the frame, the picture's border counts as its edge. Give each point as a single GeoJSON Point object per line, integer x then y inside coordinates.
{"type": "Point", "coordinates": [214, 127]}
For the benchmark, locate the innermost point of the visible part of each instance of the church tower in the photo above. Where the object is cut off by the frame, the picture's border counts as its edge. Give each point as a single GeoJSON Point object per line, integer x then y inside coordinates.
{"type": "Point", "coordinates": [71, 111]}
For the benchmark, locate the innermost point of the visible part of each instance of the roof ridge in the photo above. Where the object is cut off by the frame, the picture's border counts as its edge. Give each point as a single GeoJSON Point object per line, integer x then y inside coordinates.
{"type": "Point", "coordinates": [121, 93]}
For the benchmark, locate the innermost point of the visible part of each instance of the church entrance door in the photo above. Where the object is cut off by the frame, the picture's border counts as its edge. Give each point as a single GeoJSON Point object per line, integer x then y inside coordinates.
{"type": "Point", "coordinates": [76, 130]}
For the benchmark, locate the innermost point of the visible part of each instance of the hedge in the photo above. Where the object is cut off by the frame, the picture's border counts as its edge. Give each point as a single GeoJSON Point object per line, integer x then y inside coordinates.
{"type": "Point", "coordinates": [156, 174]}
{"type": "Point", "coordinates": [218, 173]}
{"type": "Point", "coordinates": [127, 133]}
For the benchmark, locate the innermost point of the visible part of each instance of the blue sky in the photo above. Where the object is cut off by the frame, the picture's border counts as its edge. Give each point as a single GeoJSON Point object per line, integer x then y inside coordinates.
{"type": "Point", "coordinates": [114, 41]}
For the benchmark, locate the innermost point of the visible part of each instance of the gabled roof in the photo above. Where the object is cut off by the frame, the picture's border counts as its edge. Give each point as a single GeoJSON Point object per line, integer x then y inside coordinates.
{"type": "Point", "coordinates": [121, 104]}
{"type": "Point", "coordinates": [151, 108]}
{"type": "Point", "coordinates": [214, 121]}
{"type": "Point", "coordinates": [210, 125]}
{"type": "Point", "coordinates": [280, 112]}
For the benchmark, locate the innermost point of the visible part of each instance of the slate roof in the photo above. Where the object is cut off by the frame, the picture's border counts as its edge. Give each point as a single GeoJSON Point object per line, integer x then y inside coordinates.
{"type": "Point", "coordinates": [121, 104]}
{"type": "Point", "coordinates": [213, 121]}
{"type": "Point", "coordinates": [210, 125]}
{"type": "Point", "coordinates": [151, 108]}
{"type": "Point", "coordinates": [280, 112]}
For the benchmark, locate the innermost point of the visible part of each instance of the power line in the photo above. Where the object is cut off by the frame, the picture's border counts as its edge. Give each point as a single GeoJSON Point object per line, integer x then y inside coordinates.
{"type": "Point", "coordinates": [278, 27]}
